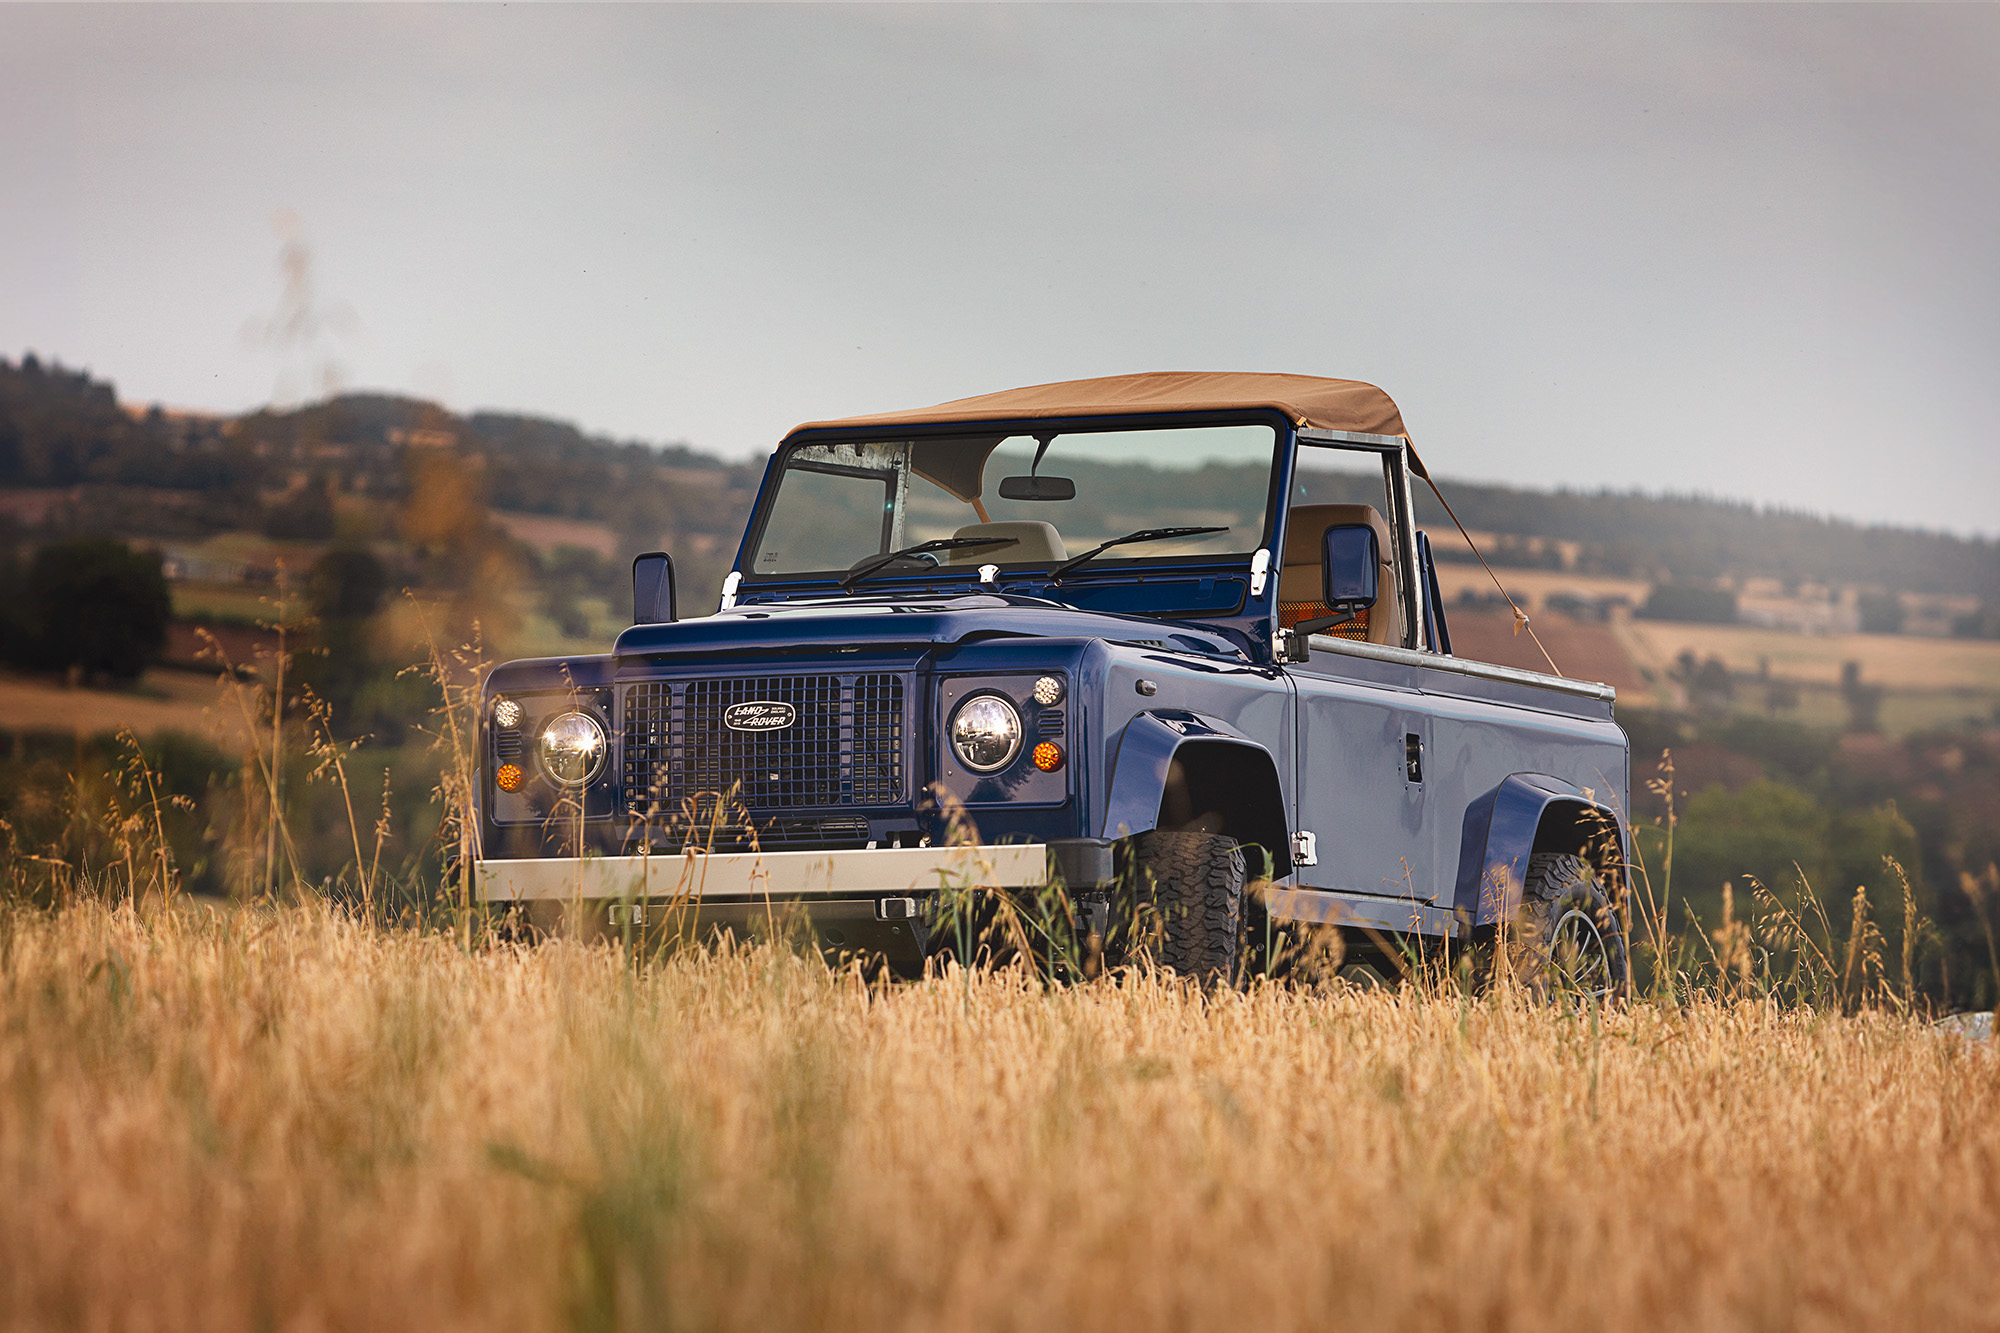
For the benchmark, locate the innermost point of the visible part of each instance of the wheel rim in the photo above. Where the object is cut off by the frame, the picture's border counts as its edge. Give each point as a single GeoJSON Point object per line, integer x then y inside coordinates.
{"type": "Point", "coordinates": [1580, 957]}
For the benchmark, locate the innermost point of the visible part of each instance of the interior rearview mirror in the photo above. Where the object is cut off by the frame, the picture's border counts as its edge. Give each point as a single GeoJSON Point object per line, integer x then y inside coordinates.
{"type": "Point", "coordinates": [1353, 564]}
{"type": "Point", "coordinates": [652, 588]}
{"type": "Point", "coordinates": [1037, 488]}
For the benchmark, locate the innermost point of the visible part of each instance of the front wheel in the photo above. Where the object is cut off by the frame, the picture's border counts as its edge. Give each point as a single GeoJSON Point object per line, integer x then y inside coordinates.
{"type": "Point", "coordinates": [1568, 943]}
{"type": "Point", "coordinates": [1184, 899]}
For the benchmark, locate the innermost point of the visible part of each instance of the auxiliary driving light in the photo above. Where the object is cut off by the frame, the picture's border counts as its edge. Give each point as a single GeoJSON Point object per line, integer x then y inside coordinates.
{"type": "Point", "coordinates": [1048, 756]}
{"type": "Point", "coordinates": [506, 714]}
{"type": "Point", "coordinates": [986, 733]}
{"type": "Point", "coordinates": [1048, 690]}
{"type": "Point", "coordinates": [509, 778]}
{"type": "Point", "coordinates": [572, 749]}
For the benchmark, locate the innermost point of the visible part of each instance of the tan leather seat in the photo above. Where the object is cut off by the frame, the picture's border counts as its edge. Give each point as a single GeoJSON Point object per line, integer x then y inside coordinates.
{"type": "Point", "coordinates": [1035, 543]}
{"type": "Point", "coordinates": [1302, 575]}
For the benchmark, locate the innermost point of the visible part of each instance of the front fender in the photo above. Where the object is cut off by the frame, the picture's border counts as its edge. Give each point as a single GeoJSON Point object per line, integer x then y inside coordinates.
{"type": "Point", "coordinates": [1499, 837]}
{"type": "Point", "coordinates": [1146, 750]}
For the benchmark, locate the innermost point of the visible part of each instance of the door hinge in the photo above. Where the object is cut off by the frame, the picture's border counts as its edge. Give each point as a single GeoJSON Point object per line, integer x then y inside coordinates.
{"type": "Point", "coordinates": [1305, 848]}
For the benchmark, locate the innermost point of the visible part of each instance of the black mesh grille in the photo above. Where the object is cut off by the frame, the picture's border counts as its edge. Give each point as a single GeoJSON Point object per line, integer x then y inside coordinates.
{"type": "Point", "coordinates": [844, 747]}
{"type": "Point", "coordinates": [650, 754]}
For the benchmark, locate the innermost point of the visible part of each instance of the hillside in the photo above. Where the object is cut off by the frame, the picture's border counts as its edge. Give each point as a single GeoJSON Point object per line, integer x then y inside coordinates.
{"type": "Point", "coordinates": [152, 473]}
{"type": "Point", "coordinates": [1740, 638]}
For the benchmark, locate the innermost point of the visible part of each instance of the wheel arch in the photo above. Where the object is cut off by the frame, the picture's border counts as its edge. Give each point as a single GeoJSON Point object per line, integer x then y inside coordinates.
{"type": "Point", "coordinates": [1529, 813]}
{"type": "Point", "coordinates": [1177, 770]}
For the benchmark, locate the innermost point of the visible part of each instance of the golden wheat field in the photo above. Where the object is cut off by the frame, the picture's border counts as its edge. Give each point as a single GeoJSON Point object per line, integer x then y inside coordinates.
{"type": "Point", "coordinates": [280, 1119]}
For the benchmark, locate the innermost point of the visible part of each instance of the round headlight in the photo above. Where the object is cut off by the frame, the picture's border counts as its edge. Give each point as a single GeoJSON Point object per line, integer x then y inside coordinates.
{"type": "Point", "coordinates": [572, 749]}
{"type": "Point", "coordinates": [986, 733]}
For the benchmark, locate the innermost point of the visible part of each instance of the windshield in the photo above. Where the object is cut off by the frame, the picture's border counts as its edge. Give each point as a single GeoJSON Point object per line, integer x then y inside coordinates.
{"type": "Point", "coordinates": [838, 505]}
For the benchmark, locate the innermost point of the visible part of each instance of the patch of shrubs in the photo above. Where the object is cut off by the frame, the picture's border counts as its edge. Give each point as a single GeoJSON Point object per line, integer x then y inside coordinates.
{"type": "Point", "coordinates": [92, 606]}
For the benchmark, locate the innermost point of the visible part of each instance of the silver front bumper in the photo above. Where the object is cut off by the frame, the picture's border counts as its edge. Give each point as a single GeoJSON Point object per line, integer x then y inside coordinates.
{"type": "Point", "coordinates": [760, 876]}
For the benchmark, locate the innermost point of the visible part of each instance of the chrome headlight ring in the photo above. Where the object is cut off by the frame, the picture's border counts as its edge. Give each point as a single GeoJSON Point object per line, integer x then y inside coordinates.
{"type": "Point", "coordinates": [986, 733]}
{"type": "Point", "coordinates": [572, 749]}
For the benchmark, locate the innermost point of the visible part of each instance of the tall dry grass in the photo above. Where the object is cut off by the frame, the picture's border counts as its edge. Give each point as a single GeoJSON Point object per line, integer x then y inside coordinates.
{"type": "Point", "coordinates": [279, 1118]}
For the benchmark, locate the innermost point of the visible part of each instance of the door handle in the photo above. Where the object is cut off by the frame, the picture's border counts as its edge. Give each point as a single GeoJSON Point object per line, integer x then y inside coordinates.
{"type": "Point", "coordinates": [1413, 757]}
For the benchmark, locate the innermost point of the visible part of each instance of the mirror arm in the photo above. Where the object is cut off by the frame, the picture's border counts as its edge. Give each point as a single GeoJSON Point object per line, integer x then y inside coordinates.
{"type": "Point", "coordinates": [1319, 623]}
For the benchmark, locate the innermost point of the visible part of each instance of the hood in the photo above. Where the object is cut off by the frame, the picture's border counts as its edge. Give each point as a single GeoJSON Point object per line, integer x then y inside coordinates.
{"type": "Point", "coordinates": [843, 622]}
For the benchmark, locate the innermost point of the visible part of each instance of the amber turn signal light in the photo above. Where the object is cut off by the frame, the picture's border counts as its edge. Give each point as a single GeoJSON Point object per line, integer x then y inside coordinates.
{"type": "Point", "coordinates": [509, 777]}
{"type": "Point", "coordinates": [1048, 756]}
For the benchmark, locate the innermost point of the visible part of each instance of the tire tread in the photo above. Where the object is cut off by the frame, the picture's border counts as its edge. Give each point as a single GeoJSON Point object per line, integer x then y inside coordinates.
{"type": "Point", "coordinates": [1197, 885]}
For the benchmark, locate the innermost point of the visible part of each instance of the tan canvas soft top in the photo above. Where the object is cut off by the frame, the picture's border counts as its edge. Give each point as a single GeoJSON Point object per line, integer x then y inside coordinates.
{"type": "Point", "coordinates": [1309, 400]}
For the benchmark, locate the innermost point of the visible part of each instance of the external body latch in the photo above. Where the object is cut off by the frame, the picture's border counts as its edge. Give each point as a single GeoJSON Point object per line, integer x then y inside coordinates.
{"type": "Point", "coordinates": [1305, 848]}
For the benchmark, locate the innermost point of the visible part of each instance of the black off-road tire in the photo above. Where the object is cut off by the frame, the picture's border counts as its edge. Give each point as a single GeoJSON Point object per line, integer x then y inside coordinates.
{"type": "Point", "coordinates": [1185, 904]}
{"type": "Point", "coordinates": [1568, 943]}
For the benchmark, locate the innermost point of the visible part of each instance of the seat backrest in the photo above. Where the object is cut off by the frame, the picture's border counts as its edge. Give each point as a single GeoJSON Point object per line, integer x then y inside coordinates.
{"type": "Point", "coordinates": [1302, 574]}
{"type": "Point", "coordinates": [1035, 542]}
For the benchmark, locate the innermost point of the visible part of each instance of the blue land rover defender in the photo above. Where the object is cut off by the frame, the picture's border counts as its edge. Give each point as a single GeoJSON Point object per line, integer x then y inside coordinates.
{"type": "Point", "coordinates": [1175, 628]}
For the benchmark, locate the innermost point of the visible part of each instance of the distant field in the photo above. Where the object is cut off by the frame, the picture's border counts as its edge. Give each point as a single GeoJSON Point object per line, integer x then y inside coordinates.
{"type": "Point", "coordinates": [1929, 682]}
{"type": "Point", "coordinates": [1901, 662]}
{"type": "Point", "coordinates": [161, 701]}
{"type": "Point", "coordinates": [237, 602]}
{"type": "Point", "coordinates": [280, 1119]}
{"type": "Point", "coordinates": [1583, 650]}
{"type": "Point", "coordinates": [1531, 586]}
{"type": "Point", "coordinates": [545, 533]}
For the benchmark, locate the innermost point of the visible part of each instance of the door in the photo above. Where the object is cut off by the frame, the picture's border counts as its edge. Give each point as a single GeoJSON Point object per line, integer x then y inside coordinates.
{"type": "Point", "coordinates": [1363, 745]}
{"type": "Point", "coordinates": [1363, 723]}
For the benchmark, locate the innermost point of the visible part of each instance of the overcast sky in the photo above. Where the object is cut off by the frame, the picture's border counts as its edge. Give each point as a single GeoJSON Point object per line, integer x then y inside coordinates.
{"type": "Point", "coordinates": [1747, 251]}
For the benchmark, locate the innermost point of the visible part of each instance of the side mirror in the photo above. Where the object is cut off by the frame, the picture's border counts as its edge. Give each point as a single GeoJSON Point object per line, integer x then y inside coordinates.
{"type": "Point", "coordinates": [1037, 488]}
{"type": "Point", "coordinates": [653, 588]}
{"type": "Point", "coordinates": [1353, 566]}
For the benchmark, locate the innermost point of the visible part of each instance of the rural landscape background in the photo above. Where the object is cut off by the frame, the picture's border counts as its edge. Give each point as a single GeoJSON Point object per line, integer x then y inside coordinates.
{"type": "Point", "coordinates": [1827, 694]}
{"type": "Point", "coordinates": [1693, 310]}
{"type": "Point", "coordinates": [263, 1063]}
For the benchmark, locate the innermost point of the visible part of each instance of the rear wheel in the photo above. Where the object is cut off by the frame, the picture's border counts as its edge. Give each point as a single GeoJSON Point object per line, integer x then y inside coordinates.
{"type": "Point", "coordinates": [1185, 903]}
{"type": "Point", "coordinates": [1568, 943]}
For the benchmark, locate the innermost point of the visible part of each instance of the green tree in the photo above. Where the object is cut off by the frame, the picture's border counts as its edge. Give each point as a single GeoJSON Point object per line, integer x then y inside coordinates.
{"type": "Point", "coordinates": [1763, 831]}
{"type": "Point", "coordinates": [17, 639]}
{"type": "Point", "coordinates": [347, 583]}
{"type": "Point", "coordinates": [98, 606]}
{"type": "Point", "coordinates": [345, 589]}
{"type": "Point", "coordinates": [1858, 840]}
{"type": "Point", "coordinates": [307, 515]}
{"type": "Point", "coordinates": [1773, 832]}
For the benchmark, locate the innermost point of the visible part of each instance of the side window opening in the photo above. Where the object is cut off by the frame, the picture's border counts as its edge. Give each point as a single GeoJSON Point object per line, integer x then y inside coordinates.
{"type": "Point", "coordinates": [1333, 486]}
{"type": "Point", "coordinates": [1437, 631]}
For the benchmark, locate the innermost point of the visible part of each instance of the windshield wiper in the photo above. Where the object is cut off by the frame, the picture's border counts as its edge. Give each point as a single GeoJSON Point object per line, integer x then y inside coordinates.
{"type": "Point", "coordinates": [1142, 535]}
{"type": "Point", "coordinates": [860, 572]}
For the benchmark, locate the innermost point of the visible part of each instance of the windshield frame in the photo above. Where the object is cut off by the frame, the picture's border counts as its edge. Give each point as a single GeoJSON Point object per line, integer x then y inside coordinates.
{"type": "Point", "coordinates": [1112, 565]}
